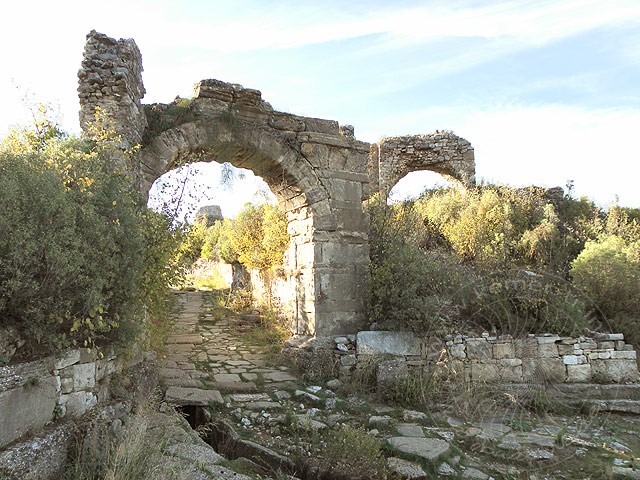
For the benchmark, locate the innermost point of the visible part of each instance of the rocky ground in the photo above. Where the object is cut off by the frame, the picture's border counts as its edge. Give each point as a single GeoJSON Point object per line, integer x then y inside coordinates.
{"type": "Point", "coordinates": [267, 417]}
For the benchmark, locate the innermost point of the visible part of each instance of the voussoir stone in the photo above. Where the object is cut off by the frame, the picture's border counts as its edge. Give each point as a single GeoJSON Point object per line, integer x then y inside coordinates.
{"type": "Point", "coordinates": [192, 396]}
{"type": "Point", "coordinates": [427, 448]}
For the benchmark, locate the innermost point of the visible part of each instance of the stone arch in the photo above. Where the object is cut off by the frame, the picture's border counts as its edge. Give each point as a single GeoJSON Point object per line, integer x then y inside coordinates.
{"type": "Point", "coordinates": [316, 169]}
{"type": "Point", "coordinates": [442, 152]}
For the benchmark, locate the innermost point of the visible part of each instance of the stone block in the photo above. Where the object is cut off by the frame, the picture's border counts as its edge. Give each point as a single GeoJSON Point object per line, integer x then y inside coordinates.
{"type": "Point", "coordinates": [84, 376]}
{"type": "Point", "coordinates": [285, 121]}
{"type": "Point", "coordinates": [457, 350]}
{"type": "Point", "coordinates": [389, 371]}
{"type": "Point", "coordinates": [526, 348]}
{"type": "Point", "coordinates": [67, 359]}
{"type": "Point", "coordinates": [319, 125]}
{"type": "Point", "coordinates": [192, 396]}
{"type": "Point", "coordinates": [491, 371]}
{"type": "Point", "coordinates": [548, 350]}
{"type": "Point", "coordinates": [105, 368]}
{"type": "Point", "coordinates": [503, 350]}
{"type": "Point", "coordinates": [40, 457]}
{"type": "Point", "coordinates": [26, 408]}
{"type": "Point", "coordinates": [479, 349]}
{"type": "Point", "coordinates": [606, 345]}
{"type": "Point", "coordinates": [541, 370]}
{"type": "Point", "coordinates": [547, 340]}
{"type": "Point", "coordinates": [624, 355]}
{"type": "Point", "coordinates": [391, 343]}
{"type": "Point", "coordinates": [78, 403]}
{"type": "Point", "coordinates": [603, 337]}
{"type": "Point", "coordinates": [611, 370]}
{"type": "Point", "coordinates": [570, 359]}
{"type": "Point", "coordinates": [566, 349]}
{"type": "Point", "coordinates": [579, 373]}
{"type": "Point", "coordinates": [425, 448]}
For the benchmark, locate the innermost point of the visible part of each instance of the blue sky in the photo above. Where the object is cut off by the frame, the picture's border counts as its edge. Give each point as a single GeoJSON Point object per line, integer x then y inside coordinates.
{"type": "Point", "coordinates": [546, 91]}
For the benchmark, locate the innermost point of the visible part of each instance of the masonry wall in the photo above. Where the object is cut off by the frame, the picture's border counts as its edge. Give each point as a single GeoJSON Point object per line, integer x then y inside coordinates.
{"type": "Point", "coordinates": [604, 358]}
{"type": "Point", "coordinates": [36, 393]}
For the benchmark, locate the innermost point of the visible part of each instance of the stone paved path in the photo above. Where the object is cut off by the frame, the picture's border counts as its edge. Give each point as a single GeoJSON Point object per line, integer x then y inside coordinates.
{"type": "Point", "coordinates": [208, 354]}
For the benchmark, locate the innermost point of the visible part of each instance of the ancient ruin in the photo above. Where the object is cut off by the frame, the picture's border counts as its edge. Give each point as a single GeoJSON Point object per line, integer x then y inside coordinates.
{"type": "Point", "coordinates": [319, 172]}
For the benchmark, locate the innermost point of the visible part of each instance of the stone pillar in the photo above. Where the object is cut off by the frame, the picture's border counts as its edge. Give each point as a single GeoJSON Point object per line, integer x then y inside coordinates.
{"type": "Point", "coordinates": [111, 78]}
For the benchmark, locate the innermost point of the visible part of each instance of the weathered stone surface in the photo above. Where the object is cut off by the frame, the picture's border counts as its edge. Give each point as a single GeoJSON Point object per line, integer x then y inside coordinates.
{"type": "Point", "coordinates": [427, 448]}
{"type": "Point", "coordinates": [443, 152]}
{"type": "Point", "coordinates": [192, 396]}
{"type": "Point", "coordinates": [406, 469]}
{"type": "Point", "coordinates": [66, 359]}
{"type": "Point", "coordinates": [391, 343]}
{"type": "Point", "coordinates": [615, 370]}
{"type": "Point", "coordinates": [471, 472]}
{"type": "Point", "coordinates": [390, 371]}
{"type": "Point", "coordinates": [27, 407]}
{"type": "Point", "coordinates": [479, 349]}
{"type": "Point", "coordinates": [40, 457]}
{"type": "Point", "coordinates": [194, 453]}
{"type": "Point", "coordinates": [78, 403]}
{"type": "Point", "coordinates": [541, 370]}
{"type": "Point", "coordinates": [409, 430]}
{"type": "Point", "coordinates": [579, 373]}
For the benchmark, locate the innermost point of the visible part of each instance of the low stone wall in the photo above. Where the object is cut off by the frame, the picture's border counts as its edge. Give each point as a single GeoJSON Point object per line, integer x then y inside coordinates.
{"type": "Point", "coordinates": [604, 358]}
{"type": "Point", "coordinates": [33, 394]}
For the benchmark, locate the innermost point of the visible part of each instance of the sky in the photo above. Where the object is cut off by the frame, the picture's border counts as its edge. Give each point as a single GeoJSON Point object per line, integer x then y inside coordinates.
{"type": "Point", "coordinates": [545, 91]}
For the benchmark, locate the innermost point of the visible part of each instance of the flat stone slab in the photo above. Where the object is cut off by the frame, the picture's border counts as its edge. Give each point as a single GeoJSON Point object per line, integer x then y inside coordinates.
{"type": "Point", "coordinates": [263, 405]}
{"type": "Point", "coordinates": [192, 396]}
{"type": "Point", "coordinates": [392, 343]}
{"type": "Point", "coordinates": [410, 430]}
{"type": "Point", "coordinates": [406, 469]}
{"type": "Point", "coordinates": [279, 377]}
{"type": "Point", "coordinates": [183, 382]}
{"type": "Point", "coordinates": [427, 448]}
{"type": "Point", "coordinates": [227, 377]}
{"type": "Point", "coordinates": [233, 386]}
{"type": "Point", "coordinates": [250, 397]}
{"type": "Point", "coordinates": [193, 339]}
{"type": "Point", "coordinates": [195, 453]}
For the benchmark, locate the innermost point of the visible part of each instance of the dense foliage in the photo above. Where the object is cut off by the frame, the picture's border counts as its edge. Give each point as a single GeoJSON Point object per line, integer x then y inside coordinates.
{"type": "Point", "coordinates": [82, 262]}
{"type": "Point", "coordinates": [505, 259]}
{"type": "Point", "coordinates": [256, 238]}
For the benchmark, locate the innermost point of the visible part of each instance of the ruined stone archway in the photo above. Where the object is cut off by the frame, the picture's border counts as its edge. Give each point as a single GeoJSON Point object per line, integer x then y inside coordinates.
{"type": "Point", "coordinates": [316, 169]}
{"type": "Point", "coordinates": [442, 152]}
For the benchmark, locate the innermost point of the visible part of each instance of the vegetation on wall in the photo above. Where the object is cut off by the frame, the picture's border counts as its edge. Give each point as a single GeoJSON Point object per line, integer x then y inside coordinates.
{"type": "Point", "coordinates": [82, 261]}
{"type": "Point", "coordinates": [503, 259]}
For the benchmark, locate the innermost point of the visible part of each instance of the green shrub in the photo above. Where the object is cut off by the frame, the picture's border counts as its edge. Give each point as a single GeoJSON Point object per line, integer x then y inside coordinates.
{"type": "Point", "coordinates": [608, 271]}
{"type": "Point", "coordinates": [519, 303]}
{"type": "Point", "coordinates": [80, 260]}
{"type": "Point", "coordinates": [258, 236]}
{"type": "Point", "coordinates": [353, 453]}
{"type": "Point", "coordinates": [70, 252]}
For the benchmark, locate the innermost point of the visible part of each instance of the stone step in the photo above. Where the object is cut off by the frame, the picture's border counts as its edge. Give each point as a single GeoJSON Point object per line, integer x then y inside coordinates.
{"type": "Point", "coordinates": [193, 339]}
{"type": "Point", "coordinates": [192, 396]}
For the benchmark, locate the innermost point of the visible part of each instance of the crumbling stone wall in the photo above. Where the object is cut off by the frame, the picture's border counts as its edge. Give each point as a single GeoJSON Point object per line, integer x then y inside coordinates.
{"type": "Point", "coordinates": [111, 78]}
{"type": "Point", "coordinates": [540, 359]}
{"type": "Point", "coordinates": [442, 152]}
{"type": "Point", "coordinates": [61, 386]}
{"type": "Point", "coordinates": [316, 169]}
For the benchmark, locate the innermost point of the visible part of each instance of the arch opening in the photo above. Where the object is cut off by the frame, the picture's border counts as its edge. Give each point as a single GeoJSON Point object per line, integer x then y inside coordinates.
{"type": "Point", "coordinates": [413, 184]}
